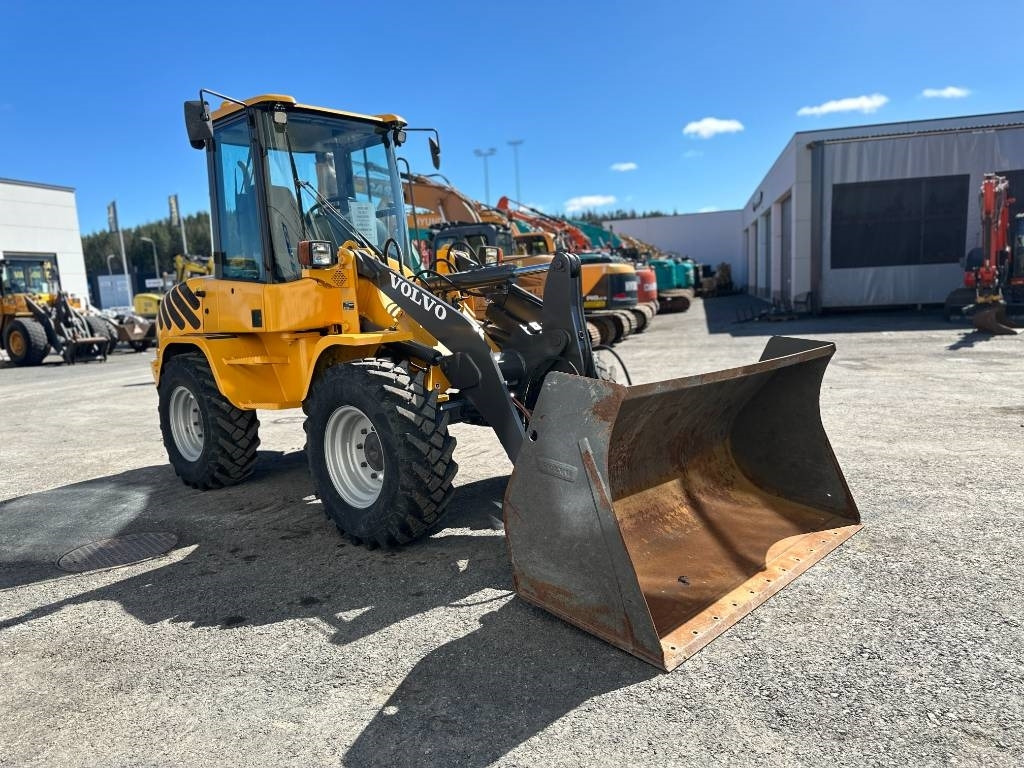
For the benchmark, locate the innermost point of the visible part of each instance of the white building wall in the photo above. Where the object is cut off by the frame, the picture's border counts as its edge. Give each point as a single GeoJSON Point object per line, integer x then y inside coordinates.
{"type": "Point", "coordinates": [708, 238]}
{"type": "Point", "coordinates": [38, 218]}
{"type": "Point", "coordinates": [969, 144]}
{"type": "Point", "coordinates": [970, 153]}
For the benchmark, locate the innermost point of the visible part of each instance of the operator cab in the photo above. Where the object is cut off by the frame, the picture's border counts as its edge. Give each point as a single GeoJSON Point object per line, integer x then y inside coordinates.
{"type": "Point", "coordinates": [283, 173]}
{"type": "Point", "coordinates": [36, 275]}
{"type": "Point", "coordinates": [488, 242]}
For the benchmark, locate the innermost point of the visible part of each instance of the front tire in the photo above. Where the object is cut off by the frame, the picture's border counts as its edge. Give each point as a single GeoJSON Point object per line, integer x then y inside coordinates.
{"type": "Point", "coordinates": [26, 342]}
{"type": "Point", "coordinates": [210, 442]}
{"type": "Point", "coordinates": [379, 454]}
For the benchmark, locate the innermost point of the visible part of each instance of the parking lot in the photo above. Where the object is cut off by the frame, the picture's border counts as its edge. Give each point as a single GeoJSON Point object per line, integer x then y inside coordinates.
{"type": "Point", "coordinates": [263, 638]}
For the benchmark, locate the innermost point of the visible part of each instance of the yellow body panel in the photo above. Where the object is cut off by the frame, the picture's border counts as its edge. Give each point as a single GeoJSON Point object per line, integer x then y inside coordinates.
{"type": "Point", "coordinates": [13, 305]}
{"type": "Point", "coordinates": [247, 330]}
{"type": "Point", "coordinates": [591, 275]}
{"type": "Point", "coordinates": [146, 304]}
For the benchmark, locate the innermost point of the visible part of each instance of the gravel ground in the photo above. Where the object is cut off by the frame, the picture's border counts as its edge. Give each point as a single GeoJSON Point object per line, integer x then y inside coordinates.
{"type": "Point", "coordinates": [264, 639]}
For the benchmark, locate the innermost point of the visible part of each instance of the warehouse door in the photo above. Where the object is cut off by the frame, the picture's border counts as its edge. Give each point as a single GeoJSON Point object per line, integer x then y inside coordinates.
{"type": "Point", "coordinates": [786, 232]}
{"type": "Point", "coordinates": [755, 271]}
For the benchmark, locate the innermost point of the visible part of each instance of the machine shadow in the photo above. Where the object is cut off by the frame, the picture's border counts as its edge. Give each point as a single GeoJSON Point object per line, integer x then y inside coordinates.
{"type": "Point", "coordinates": [475, 699]}
{"type": "Point", "coordinates": [724, 314]}
{"type": "Point", "coordinates": [262, 552]}
{"type": "Point", "coordinates": [969, 338]}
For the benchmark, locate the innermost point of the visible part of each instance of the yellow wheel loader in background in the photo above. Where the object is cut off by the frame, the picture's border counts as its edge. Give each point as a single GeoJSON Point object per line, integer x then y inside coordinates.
{"type": "Point", "coordinates": [36, 316]}
{"type": "Point", "coordinates": [654, 516]}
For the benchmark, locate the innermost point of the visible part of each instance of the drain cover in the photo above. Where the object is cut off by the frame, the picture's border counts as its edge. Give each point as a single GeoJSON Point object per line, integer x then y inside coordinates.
{"type": "Point", "coordinates": [121, 550]}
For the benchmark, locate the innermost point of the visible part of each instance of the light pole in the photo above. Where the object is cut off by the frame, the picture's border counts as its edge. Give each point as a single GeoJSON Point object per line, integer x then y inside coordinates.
{"type": "Point", "coordinates": [110, 269]}
{"type": "Point", "coordinates": [485, 153]}
{"type": "Point", "coordinates": [156, 261]}
{"type": "Point", "coordinates": [514, 143]}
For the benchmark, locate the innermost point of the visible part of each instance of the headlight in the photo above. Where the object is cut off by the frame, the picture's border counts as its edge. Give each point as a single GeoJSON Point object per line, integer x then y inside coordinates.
{"type": "Point", "coordinates": [315, 253]}
{"type": "Point", "coordinates": [321, 253]}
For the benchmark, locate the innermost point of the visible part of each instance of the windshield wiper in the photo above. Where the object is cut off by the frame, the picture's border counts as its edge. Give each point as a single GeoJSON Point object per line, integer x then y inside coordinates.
{"type": "Point", "coordinates": [328, 206]}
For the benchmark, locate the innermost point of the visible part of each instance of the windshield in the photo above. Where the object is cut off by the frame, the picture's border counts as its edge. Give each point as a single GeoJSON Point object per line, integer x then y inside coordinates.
{"type": "Point", "coordinates": [29, 277]}
{"type": "Point", "coordinates": [343, 177]}
{"type": "Point", "coordinates": [326, 178]}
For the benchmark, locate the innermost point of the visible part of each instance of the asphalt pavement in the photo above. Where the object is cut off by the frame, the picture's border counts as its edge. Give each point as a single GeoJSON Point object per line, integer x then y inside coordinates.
{"type": "Point", "coordinates": [263, 638]}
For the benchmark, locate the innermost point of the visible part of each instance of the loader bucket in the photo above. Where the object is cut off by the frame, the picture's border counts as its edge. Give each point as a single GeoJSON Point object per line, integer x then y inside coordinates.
{"type": "Point", "coordinates": [657, 516]}
{"type": "Point", "coordinates": [992, 318]}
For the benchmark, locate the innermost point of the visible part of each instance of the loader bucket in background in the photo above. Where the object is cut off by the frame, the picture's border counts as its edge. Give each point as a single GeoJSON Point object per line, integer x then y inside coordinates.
{"type": "Point", "coordinates": [992, 318]}
{"type": "Point", "coordinates": [657, 516]}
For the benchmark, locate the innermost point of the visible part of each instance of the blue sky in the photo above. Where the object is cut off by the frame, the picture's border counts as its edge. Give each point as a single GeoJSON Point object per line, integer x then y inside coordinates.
{"type": "Point", "coordinates": [671, 105]}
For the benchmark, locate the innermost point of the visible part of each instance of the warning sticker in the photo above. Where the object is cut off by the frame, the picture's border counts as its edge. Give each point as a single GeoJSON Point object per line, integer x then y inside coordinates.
{"type": "Point", "coordinates": [364, 219]}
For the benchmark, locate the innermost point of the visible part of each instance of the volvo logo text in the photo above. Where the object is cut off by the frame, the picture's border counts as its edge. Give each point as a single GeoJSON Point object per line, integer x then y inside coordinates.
{"type": "Point", "coordinates": [419, 297]}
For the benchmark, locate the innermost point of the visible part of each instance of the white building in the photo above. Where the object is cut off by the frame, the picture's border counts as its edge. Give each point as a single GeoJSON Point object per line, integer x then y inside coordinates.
{"type": "Point", "coordinates": [873, 215]}
{"type": "Point", "coordinates": [709, 238]}
{"type": "Point", "coordinates": [42, 220]}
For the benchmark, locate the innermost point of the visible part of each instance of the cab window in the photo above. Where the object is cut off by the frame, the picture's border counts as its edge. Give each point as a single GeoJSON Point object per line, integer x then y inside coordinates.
{"type": "Point", "coordinates": [241, 254]}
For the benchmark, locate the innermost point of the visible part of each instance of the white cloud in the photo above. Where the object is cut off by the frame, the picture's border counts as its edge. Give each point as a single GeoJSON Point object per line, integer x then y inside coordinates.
{"type": "Point", "coordinates": [949, 92]}
{"type": "Point", "coordinates": [586, 202]}
{"type": "Point", "coordinates": [865, 104]}
{"type": "Point", "coordinates": [623, 166]}
{"type": "Point", "coordinates": [708, 209]}
{"type": "Point", "coordinates": [711, 126]}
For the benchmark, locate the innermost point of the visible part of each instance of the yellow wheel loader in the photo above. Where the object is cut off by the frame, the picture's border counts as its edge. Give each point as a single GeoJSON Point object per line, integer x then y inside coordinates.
{"type": "Point", "coordinates": [36, 316]}
{"type": "Point", "coordinates": [653, 516]}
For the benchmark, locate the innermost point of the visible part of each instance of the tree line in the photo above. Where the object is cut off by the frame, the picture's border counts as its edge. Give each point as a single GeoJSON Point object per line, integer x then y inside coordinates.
{"type": "Point", "coordinates": [97, 246]}
{"type": "Point", "coordinates": [593, 217]}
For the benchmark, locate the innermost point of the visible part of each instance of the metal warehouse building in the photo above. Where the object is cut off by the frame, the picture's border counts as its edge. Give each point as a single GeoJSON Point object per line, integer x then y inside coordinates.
{"type": "Point", "coordinates": [42, 220]}
{"type": "Point", "coordinates": [873, 215]}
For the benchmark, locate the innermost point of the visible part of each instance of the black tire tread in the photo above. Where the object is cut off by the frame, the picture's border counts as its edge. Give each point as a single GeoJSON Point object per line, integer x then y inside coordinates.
{"type": "Point", "coordinates": [35, 337]}
{"type": "Point", "coordinates": [232, 433]}
{"type": "Point", "coordinates": [426, 448]}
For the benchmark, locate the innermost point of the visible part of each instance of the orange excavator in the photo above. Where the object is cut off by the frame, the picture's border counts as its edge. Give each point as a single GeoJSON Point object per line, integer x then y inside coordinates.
{"type": "Point", "coordinates": [568, 237]}
{"type": "Point", "coordinates": [999, 270]}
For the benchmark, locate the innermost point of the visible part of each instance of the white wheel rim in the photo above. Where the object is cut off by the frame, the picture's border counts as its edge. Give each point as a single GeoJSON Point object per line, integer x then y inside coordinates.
{"type": "Point", "coordinates": [354, 456]}
{"type": "Point", "coordinates": [186, 424]}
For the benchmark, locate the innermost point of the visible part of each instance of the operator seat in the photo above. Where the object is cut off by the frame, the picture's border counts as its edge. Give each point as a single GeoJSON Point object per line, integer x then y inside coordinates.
{"type": "Point", "coordinates": [285, 232]}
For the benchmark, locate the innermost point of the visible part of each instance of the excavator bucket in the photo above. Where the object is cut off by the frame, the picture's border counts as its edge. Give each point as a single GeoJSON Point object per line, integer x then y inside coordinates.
{"type": "Point", "coordinates": [992, 318]}
{"type": "Point", "coordinates": [657, 516]}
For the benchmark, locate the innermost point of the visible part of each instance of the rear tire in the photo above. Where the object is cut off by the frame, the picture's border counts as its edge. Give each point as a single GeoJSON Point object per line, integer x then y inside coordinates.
{"type": "Point", "coordinates": [210, 442]}
{"type": "Point", "coordinates": [379, 454]}
{"type": "Point", "coordinates": [26, 342]}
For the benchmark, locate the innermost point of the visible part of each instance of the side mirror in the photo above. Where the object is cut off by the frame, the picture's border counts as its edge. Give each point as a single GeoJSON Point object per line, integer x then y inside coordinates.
{"type": "Point", "coordinates": [435, 152]}
{"type": "Point", "coordinates": [198, 123]}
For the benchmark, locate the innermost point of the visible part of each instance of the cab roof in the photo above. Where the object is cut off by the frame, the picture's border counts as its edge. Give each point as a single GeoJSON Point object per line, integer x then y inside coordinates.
{"type": "Point", "coordinates": [229, 108]}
